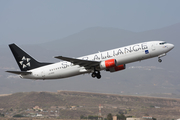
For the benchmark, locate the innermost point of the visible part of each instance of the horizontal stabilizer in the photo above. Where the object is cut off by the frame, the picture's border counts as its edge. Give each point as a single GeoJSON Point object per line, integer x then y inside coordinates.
{"type": "Point", "coordinates": [19, 72]}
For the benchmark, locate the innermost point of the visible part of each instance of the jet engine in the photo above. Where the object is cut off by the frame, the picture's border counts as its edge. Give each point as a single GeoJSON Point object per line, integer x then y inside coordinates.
{"type": "Point", "coordinates": [108, 64]}
{"type": "Point", "coordinates": [117, 68]}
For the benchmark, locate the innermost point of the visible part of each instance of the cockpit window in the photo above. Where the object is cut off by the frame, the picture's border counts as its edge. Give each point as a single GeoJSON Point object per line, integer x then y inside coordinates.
{"type": "Point", "coordinates": [162, 43]}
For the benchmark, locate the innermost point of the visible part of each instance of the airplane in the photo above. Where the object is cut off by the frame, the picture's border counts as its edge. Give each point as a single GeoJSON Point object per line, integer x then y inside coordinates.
{"type": "Point", "coordinates": [112, 60]}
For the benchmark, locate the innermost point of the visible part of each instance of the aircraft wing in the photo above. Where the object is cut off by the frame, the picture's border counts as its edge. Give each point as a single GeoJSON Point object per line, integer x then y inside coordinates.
{"type": "Point", "coordinates": [20, 72]}
{"type": "Point", "coordinates": [85, 63]}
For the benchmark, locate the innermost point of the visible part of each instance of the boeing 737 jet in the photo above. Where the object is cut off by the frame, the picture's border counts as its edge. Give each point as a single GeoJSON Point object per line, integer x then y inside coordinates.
{"type": "Point", "coordinates": [111, 60]}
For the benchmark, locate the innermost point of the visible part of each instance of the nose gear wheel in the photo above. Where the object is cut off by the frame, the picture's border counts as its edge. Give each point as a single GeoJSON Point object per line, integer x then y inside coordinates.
{"type": "Point", "coordinates": [159, 60]}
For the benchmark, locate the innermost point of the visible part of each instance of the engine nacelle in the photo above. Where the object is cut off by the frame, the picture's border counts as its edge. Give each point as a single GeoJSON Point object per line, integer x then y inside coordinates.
{"type": "Point", "coordinates": [117, 68]}
{"type": "Point", "coordinates": [108, 64]}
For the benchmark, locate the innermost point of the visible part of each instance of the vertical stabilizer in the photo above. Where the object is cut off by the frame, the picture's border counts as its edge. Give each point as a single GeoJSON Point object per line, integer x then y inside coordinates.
{"type": "Point", "coordinates": [24, 61]}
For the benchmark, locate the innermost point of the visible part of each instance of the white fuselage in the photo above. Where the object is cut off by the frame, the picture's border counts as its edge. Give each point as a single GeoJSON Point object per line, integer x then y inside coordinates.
{"type": "Point", "coordinates": [123, 55]}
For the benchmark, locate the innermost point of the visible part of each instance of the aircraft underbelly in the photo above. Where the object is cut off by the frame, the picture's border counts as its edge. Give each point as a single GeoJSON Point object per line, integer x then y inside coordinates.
{"type": "Point", "coordinates": [65, 72]}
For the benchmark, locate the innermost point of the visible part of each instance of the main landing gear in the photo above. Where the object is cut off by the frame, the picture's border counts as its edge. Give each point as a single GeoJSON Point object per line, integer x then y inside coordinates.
{"type": "Point", "coordinates": [97, 74]}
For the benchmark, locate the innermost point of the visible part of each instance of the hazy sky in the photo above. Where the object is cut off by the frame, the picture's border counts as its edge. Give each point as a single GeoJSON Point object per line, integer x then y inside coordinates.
{"type": "Point", "coordinates": [37, 21]}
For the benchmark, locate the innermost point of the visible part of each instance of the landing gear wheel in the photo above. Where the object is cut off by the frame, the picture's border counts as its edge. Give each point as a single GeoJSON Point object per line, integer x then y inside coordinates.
{"type": "Point", "coordinates": [93, 74]}
{"type": "Point", "coordinates": [97, 74]}
{"type": "Point", "coordinates": [159, 60]}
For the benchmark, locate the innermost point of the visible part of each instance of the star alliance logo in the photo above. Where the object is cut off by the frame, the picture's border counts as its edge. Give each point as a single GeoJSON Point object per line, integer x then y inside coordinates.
{"type": "Point", "coordinates": [25, 62]}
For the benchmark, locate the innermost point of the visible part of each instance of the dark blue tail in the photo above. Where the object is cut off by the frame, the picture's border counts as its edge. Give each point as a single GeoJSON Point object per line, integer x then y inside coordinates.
{"type": "Point", "coordinates": [25, 61]}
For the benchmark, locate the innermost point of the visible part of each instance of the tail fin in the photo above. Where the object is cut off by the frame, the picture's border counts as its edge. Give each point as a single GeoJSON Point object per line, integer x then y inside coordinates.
{"type": "Point", "coordinates": [24, 61]}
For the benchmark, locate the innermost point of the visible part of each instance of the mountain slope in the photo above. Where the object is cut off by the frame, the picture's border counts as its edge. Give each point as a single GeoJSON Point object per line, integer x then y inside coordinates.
{"type": "Point", "coordinates": [87, 104]}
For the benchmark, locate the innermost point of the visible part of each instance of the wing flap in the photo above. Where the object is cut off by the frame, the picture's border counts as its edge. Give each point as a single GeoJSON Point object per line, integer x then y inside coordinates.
{"type": "Point", "coordinates": [19, 72]}
{"type": "Point", "coordinates": [84, 63]}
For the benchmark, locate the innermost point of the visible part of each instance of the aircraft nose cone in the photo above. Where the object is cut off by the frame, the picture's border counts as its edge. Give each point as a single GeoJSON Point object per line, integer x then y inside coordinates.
{"type": "Point", "coordinates": [171, 46]}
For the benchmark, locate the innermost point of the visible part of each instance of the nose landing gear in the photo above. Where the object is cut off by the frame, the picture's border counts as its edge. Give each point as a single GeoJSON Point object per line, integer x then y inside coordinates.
{"type": "Point", "coordinates": [159, 60]}
{"type": "Point", "coordinates": [97, 74]}
{"type": "Point", "coordinates": [159, 57]}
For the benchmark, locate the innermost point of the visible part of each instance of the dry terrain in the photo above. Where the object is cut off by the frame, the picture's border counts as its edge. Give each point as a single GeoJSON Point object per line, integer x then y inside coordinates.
{"type": "Point", "coordinates": [71, 105]}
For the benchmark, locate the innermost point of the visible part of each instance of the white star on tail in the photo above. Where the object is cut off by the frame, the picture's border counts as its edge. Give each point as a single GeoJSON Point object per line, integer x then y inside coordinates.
{"type": "Point", "coordinates": [25, 62]}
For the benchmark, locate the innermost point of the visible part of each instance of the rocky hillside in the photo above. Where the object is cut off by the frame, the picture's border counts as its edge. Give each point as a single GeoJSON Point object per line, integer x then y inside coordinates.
{"type": "Point", "coordinates": [74, 104]}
